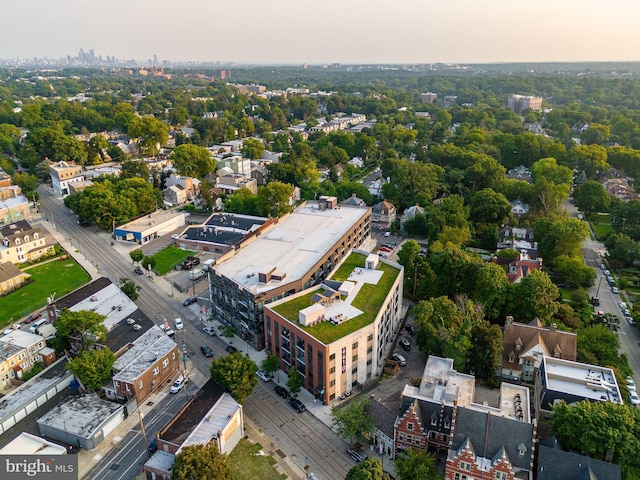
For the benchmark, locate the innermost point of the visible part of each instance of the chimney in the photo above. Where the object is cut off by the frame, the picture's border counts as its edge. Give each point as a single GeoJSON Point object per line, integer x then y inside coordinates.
{"type": "Point", "coordinates": [553, 328]}
{"type": "Point", "coordinates": [509, 320]}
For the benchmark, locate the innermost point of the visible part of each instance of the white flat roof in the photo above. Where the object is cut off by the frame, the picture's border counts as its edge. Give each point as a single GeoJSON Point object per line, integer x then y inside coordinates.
{"type": "Point", "coordinates": [441, 383]}
{"type": "Point", "coordinates": [27, 444]}
{"type": "Point", "coordinates": [216, 419]}
{"type": "Point", "coordinates": [581, 379]}
{"type": "Point", "coordinates": [142, 224]}
{"type": "Point", "coordinates": [292, 246]}
{"type": "Point", "coordinates": [107, 302]}
{"type": "Point", "coordinates": [21, 338]}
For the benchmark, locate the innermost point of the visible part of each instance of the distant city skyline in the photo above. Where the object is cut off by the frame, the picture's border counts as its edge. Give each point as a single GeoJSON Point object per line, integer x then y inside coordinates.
{"type": "Point", "coordinates": [347, 31]}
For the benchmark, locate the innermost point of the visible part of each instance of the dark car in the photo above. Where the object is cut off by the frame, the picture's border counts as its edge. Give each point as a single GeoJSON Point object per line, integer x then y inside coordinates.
{"type": "Point", "coordinates": [138, 271]}
{"type": "Point", "coordinates": [231, 349]}
{"type": "Point", "coordinates": [281, 391]}
{"type": "Point", "coordinates": [297, 405]}
{"type": "Point", "coordinates": [153, 446]}
{"type": "Point", "coordinates": [411, 329]}
{"type": "Point", "coordinates": [195, 261]}
{"type": "Point", "coordinates": [190, 300]}
{"type": "Point", "coordinates": [404, 343]}
{"type": "Point", "coordinates": [32, 317]}
{"type": "Point", "coordinates": [206, 351]}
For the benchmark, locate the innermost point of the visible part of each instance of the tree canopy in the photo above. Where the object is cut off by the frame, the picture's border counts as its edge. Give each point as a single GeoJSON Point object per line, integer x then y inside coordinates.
{"type": "Point", "coordinates": [201, 462]}
{"type": "Point", "coordinates": [86, 324]}
{"type": "Point", "coordinates": [92, 367]}
{"type": "Point", "coordinates": [236, 374]}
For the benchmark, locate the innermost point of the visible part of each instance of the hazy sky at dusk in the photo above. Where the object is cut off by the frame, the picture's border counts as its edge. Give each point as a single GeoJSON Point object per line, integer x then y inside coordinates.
{"type": "Point", "coordinates": [344, 31]}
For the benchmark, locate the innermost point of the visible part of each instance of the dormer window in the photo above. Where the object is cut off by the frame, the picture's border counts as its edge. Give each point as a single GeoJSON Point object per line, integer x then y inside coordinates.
{"type": "Point", "coordinates": [434, 422]}
{"type": "Point", "coordinates": [17, 241]}
{"type": "Point", "coordinates": [447, 423]}
{"type": "Point", "coordinates": [26, 239]}
{"type": "Point", "coordinates": [36, 236]}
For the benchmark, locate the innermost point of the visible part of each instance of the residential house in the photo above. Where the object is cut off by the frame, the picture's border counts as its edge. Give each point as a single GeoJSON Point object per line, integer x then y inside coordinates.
{"type": "Point", "coordinates": [62, 174]}
{"type": "Point", "coordinates": [383, 214]}
{"type": "Point", "coordinates": [383, 433]}
{"type": "Point", "coordinates": [520, 173]}
{"type": "Point", "coordinates": [411, 212]}
{"type": "Point", "coordinates": [525, 344]}
{"type": "Point", "coordinates": [231, 183]}
{"type": "Point", "coordinates": [518, 267]}
{"type": "Point", "coordinates": [23, 243]}
{"type": "Point", "coordinates": [14, 205]}
{"type": "Point", "coordinates": [175, 195]}
{"type": "Point", "coordinates": [11, 277]}
{"type": "Point", "coordinates": [149, 362]}
{"type": "Point", "coordinates": [190, 185]}
{"type": "Point", "coordinates": [354, 201]}
{"type": "Point", "coordinates": [16, 364]}
{"type": "Point", "coordinates": [620, 188]}
{"type": "Point", "coordinates": [519, 208]}
{"type": "Point", "coordinates": [210, 417]}
{"type": "Point", "coordinates": [560, 380]}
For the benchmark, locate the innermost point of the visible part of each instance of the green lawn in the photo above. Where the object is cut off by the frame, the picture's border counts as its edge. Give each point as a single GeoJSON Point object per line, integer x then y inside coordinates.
{"type": "Point", "coordinates": [248, 464]}
{"type": "Point", "coordinates": [59, 277]}
{"type": "Point", "coordinates": [369, 300]}
{"type": "Point", "coordinates": [167, 259]}
{"type": "Point", "coordinates": [601, 224]}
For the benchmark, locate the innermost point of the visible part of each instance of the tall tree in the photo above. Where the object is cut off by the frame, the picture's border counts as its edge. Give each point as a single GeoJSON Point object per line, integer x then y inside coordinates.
{"type": "Point", "coordinates": [236, 374]}
{"type": "Point", "coordinates": [295, 381]}
{"type": "Point", "coordinates": [192, 160]}
{"type": "Point", "coordinates": [86, 324]}
{"type": "Point", "coordinates": [93, 367]}
{"type": "Point", "coordinates": [200, 462]}
{"type": "Point", "coordinates": [485, 354]}
{"type": "Point", "coordinates": [150, 132]}
{"type": "Point", "coordinates": [491, 290]}
{"type": "Point", "coordinates": [592, 197]}
{"type": "Point", "coordinates": [353, 421]}
{"type": "Point", "coordinates": [417, 463]}
{"type": "Point", "coordinates": [274, 199]}
{"type": "Point", "coordinates": [369, 469]}
{"type": "Point", "coordinates": [252, 148]}
{"type": "Point", "coordinates": [536, 296]}
{"type": "Point", "coordinates": [600, 429]}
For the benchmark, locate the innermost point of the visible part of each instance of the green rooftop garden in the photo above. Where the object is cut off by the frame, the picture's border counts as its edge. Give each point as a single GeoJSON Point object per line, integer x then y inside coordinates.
{"type": "Point", "coordinates": [369, 300]}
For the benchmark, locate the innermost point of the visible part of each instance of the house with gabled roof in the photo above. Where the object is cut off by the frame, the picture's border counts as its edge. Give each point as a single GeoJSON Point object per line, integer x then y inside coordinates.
{"type": "Point", "coordinates": [488, 445]}
{"type": "Point", "coordinates": [524, 346]}
{"type": "Point", "coordinates": [383, 433]}
{"type": "Point", "coordinates": [554, 463]}
{"type": "Point", "coordinates": [383, 213]}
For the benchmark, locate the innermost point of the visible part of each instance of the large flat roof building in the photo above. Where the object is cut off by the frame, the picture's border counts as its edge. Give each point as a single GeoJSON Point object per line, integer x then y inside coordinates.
{"type": "Point", "coordinates": [560, 380]}
{"type": "Point", "coordinates": [297, 252]}
{"type": "Point", "coordinates": [337, 334]}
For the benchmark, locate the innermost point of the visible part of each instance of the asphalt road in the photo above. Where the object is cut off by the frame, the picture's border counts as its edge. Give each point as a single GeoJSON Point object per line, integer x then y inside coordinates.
{"type": "Point", "coordinates": [300, 436]}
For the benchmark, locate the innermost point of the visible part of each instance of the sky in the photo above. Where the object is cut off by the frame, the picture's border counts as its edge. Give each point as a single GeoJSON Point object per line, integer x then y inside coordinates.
{"type": "Point", "coordinates": [325, 31]}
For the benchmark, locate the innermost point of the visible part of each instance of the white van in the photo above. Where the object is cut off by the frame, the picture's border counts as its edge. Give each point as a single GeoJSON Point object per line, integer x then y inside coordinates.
{"type": "Point", "coordinates": [400, 359]}
{"type": "Point", "coordinates": [37, 324]}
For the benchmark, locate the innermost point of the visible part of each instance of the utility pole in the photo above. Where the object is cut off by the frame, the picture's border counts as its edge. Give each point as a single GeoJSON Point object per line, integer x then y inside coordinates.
{"type": "Point", "coordinates": [144, 434]}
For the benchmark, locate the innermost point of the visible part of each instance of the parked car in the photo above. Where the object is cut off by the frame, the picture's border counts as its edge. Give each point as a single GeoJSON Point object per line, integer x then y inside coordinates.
{"type": "Point", "coordinates": [607, 273]}
{"type": "Point", "coordinates": [297, 405]}
{"type": "Point", "coordinates": [210, 330]}
{"type": "Point", "coordinates": [383, 254]}
{"type": "Point", "coordinates": [189, 300]}
{"type": "Point", "coordinates": [153, 446]}
{"type": "Point", "coordinates": [178, 323]}
{"type": "Point", "coordinates": [231, 349]}
{"type": "Point", "coordinates": [263, 375]}
{"type": "Point", "coordinates": [356, 455]}
{"type": "Point", "coordinates": [603, 267]}
{"type": "Point", "coordinates": [138, 271]}
{"type": "Point", "coordinates": [634, 398]}
{"type": "Point", "coordinates": [614, 290]}
{"type": "Point", "coordinates": [175, 236]}
{"type": "Point", "coordinates": [404, 343]}
{"type": "Point", "coordinates": [400, 359]}
{"type": "Point", "coordinates": [137, 326]}
{"type": "Point", "coordinates": [387, 234]}
{"type": "Point", "coordinates": [130, 321]}
{"type": "Point", "coordinates": [631, 385]}
{"type": "Point", "coordinates": [385, 249]}
{"type": "Point", "coordinates": [626, 313]}
{"type": "Point", "coordinates": [281, 391]}
{"type": "Point", "coordinates": [206, 351]}
{"type": "Point", "coordinates": [411, 329]}
{"type": "Point", "coordinates": [32, 317]}
{"type": "Point", "coordinates": [12, 328]}
{"type": "Point", "coordinates": [194, 260]}
{"type": "Point", "coordinates": [179, 384]}
{"type": "Point", "coordinates": [622, 305]}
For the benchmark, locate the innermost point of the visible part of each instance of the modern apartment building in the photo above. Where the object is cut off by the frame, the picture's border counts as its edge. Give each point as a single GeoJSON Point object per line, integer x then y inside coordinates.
{"type": "Point", "coordinates": [299, 251]}
{"type": "Point", "coordinates": [518, 103]}
{"type": "Point", "coordinates": [337, 334]}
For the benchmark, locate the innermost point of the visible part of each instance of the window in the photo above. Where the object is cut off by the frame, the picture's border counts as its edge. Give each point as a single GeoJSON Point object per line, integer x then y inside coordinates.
{"type": "Point", "coordinates": [417, 441]}
{"type": "Point", "coordinates": [460, 476]}
{"type": "Point", "coordinates": [434, 421]}
{"type": "Point", "coordinates": [465, 466]}
{"type": "Point", "coordinates": [140, 384]}
{"type": "Point", "coordinates": [332, 370]}
{"type": "Point", "coordinates": [173, 357]}
{"type": "Point", "coordinates": [354, 346]}
{"type": "Point", "coordinates": [447, 424]}
{"type": "Point", "coordinates": [409, 426]}
{"type": "Point", "coordinates": [409, 438]}
{"type": "Point", "coordinates": [501, 476]}
{"type": "Point", "coordinates": [401, 437]}
{"type": "Point", "coordinates": [165, 363]}
{"type": "Point", "coordinates": [332, 383]}
{"type": "Point", "coordinates": [156, 371]}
